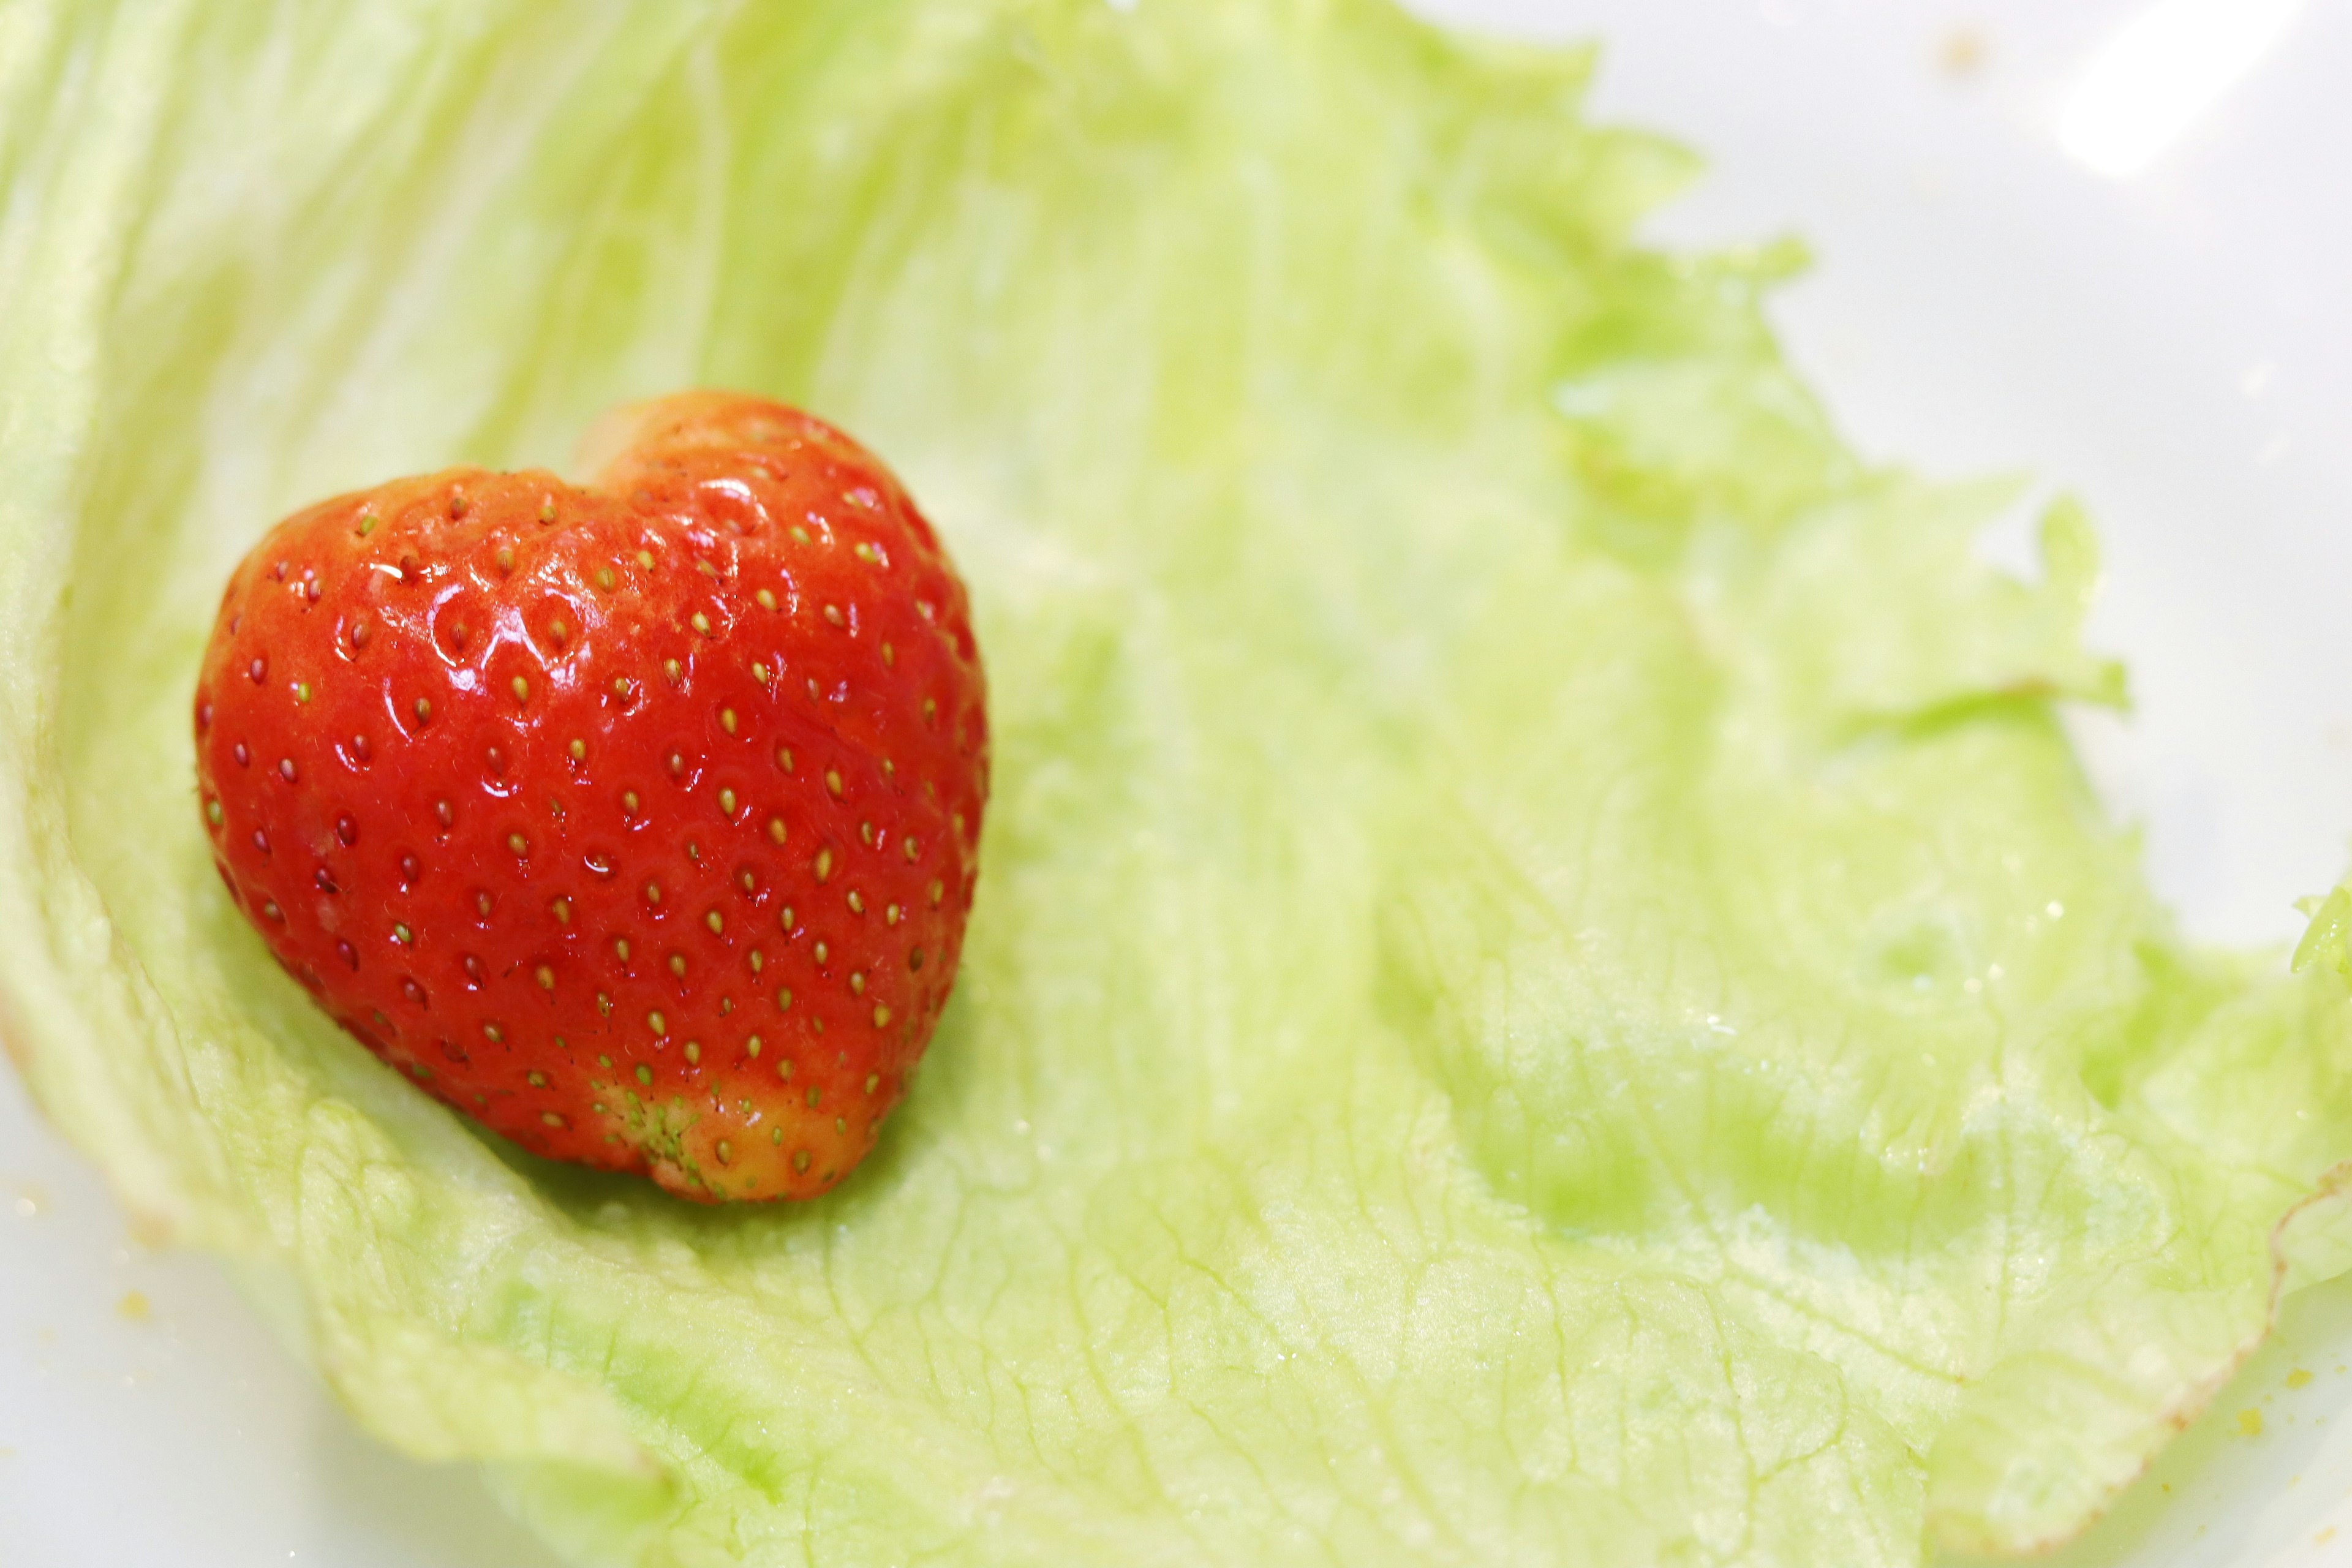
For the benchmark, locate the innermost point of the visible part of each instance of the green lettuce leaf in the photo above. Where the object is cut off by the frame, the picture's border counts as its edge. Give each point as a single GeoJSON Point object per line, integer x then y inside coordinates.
{"type": "Point", "coordinates": [1547, 987]}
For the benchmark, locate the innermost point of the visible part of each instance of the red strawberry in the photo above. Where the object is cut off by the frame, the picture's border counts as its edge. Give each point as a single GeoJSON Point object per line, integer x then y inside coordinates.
{"type": "Point", "coordinates": [636, 821]}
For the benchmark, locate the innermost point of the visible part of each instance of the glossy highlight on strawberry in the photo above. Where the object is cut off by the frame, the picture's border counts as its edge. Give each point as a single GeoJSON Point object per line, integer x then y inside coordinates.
{"type": "Point", "coordinates": [638, 820]}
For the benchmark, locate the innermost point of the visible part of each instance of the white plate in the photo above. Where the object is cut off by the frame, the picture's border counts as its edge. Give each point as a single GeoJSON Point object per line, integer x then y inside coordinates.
{"type": "Point", "coordinates": [2176, 346]}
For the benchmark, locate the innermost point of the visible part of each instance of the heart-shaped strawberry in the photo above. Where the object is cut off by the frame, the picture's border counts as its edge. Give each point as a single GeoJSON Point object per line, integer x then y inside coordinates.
{"type": "Point", "coordinates": [637, 821]}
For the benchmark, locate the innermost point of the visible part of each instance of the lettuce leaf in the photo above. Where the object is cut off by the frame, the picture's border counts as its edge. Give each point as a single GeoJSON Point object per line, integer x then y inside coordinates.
{"type": "Point", "coordinates": [1547, 986]}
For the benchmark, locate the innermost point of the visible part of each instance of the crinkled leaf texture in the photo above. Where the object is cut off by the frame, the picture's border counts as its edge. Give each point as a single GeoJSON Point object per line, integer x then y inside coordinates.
{"type": "Point", "coordinates": [1547, 986]}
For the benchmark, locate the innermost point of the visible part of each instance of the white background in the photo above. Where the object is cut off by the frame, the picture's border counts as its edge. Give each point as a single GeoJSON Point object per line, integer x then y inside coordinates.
{"type": "Point", "coordinates": [2176, 347]}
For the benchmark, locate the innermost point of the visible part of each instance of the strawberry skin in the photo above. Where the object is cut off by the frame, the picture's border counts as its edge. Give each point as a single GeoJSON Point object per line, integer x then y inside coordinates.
{"type": "Point", "coordinates": [637, 821]}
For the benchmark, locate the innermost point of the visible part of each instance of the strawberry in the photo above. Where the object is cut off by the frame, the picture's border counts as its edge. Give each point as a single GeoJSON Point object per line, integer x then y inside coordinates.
{"type": "Point", "coordinates": [638, 821]}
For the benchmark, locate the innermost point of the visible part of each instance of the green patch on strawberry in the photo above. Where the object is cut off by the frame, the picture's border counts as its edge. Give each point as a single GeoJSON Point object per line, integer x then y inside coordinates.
{"type": "Point", "coordinates": [636, 821]}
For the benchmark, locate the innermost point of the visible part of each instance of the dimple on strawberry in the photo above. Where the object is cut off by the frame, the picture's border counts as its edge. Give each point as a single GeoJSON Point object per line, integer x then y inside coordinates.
{"type": "Point", "coordinates": [638, 820]}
